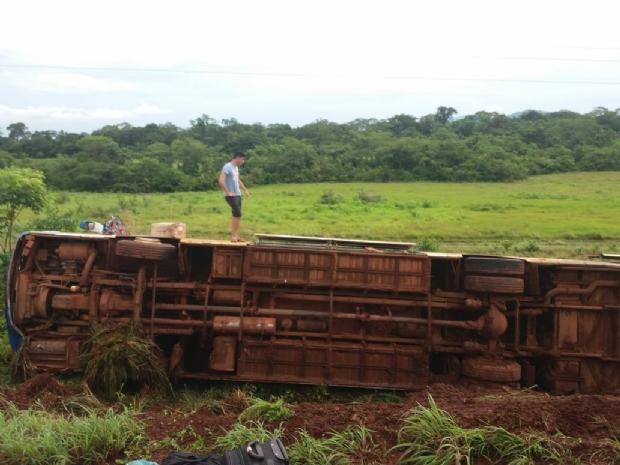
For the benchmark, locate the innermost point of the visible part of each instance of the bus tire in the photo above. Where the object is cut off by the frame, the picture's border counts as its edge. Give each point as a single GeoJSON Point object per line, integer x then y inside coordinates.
{"type": "Point", "coordinates": [146, 250]}
{"type": "Point", "coordinates": [491, 265]}
{"type": "Point", "coordinates": [491, 369]}
{"type": "Point", "coordinates": [494, 284]}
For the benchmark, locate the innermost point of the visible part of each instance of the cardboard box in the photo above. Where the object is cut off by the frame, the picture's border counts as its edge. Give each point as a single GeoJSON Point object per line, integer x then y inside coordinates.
{"type": "Point", "coordinates": [174, 230]}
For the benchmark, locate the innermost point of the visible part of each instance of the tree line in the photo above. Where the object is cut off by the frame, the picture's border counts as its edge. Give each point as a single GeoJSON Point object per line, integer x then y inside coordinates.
{"type": "Point", "coordinates": [486, 146]}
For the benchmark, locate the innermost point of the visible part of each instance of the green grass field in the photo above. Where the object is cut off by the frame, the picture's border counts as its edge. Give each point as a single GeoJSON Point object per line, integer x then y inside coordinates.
{"type": "Point", "coordinates": [568, 214]}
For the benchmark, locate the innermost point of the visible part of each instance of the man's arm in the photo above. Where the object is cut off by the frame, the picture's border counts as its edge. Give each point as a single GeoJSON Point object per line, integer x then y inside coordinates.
{"type": "Point", "coordinates": [247, 194]}
{"type": "Point", "coordinates": [223, 184]}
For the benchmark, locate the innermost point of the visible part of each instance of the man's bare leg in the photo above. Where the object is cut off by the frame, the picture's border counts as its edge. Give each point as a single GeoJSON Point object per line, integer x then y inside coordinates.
{"type": "Point", "coordinates": [235, 228]}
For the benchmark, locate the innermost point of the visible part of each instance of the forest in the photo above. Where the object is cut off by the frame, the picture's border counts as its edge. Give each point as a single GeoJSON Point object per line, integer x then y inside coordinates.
{"type": "Point", "coordinates": [441, 147]}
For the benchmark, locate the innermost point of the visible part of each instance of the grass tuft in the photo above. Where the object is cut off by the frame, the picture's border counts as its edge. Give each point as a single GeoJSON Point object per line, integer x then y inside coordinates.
{"type": "Point", "coordinates": [353, 445]}
{"type": "Point", "coordinates": [260, 409]}
{"type": "Point", "coordinates": [20, 365]}
{"type": "Point", "coordinates": [431, 436]}
{"type": "Point", "coordinates": [118, 356]}
{"type": "Point", "coordinates": [38, 437]}
{"type": "Point", "coordinates": [241, 434]}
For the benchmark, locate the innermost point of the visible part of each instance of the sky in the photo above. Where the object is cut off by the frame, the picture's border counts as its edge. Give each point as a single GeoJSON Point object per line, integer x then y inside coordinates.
{"type": "Point", "coordinates": [79, 65]}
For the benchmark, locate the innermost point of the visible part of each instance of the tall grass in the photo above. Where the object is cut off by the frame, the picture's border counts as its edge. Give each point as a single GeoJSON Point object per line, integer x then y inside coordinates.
{"type": "Point", "coordinates": [6, 354]}
{"type": "Point", "coordinates": [260, 409]}
{"type": "Point", "coordinates": [431, 436]}
{"type": "Point", "coordinates": [37, 437]}
{"type": "Point", "coordinates": [352, 446]}
{"type": "Point", "coordinates": [610, 450]}
{"type": "Point", "coordinates": [309, 450]}
{"type": "Point", "coordinates": [116, 355]}
{"type": "Point", "coordinates": [242, 433]}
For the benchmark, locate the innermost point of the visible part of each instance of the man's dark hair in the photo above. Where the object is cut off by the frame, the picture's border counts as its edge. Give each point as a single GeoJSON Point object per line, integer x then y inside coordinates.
{"type": "Point", "coordinates": [239, 155]}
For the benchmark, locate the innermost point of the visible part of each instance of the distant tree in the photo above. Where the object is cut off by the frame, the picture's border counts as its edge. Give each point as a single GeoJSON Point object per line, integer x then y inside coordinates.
{"type": "Point", "coordinates": [563, 114]}
{"type": "Point", "coordinates": [69, 142]}
{"type": "Point", "coordinates": [205, 129]}
{"type": "Point", "coordinates": [323, 132]}
{"type": "Point", "coordinates": [532, 115]}
{"type": "Point", "coordinates": [98, 149]}
{"type": "Point", "coordinates": [112, 131]}
{"type": "Point", "coordinates": [6, 159]}
{"type": "Point", "coordinates": [402, 124]}
{"type": "Point", "coordinates": [18, 131]}
{"type": "Point", "coordinates": [189, 154]}
{"type": "Point", "coordinates": [444, 114]}
{"type": "Point", "coordinates": [363, 124]}
{"type": "Point", "coordinates": [427, 124]}
{"type": "Point", "coordinates": [239, 137]}
{"type": "Point", "coordinates": [604, 159]}
{"type": "Point", "coordinates": [20, 188]}
{"type": "Point", "coordinates": [41, 144]}
{"type": "Point", "coordinates": [158, 151]}
{"type": "Point", "coordinates": [607, 118]}
{"type": "Point", "coordinates": [278, 131]}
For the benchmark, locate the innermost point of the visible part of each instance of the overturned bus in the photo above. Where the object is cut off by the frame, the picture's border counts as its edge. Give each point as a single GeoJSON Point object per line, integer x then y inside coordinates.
{"type": "Point", "coordinates": [293, 309]}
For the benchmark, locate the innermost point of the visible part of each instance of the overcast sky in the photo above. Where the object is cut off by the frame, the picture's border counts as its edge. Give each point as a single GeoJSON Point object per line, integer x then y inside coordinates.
{"type": "Point", "coordinates": [78, 65]}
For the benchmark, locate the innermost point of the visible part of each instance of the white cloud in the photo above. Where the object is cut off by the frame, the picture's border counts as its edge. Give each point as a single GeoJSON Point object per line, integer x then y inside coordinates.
{"type": "Point", "coordinates": [108, 113]}
{"type": "Point", "coordinates": [476, 107]}
{"type": "Point", "coordinates": [145, 109]}
{"type": "Point", "coordinates": [45, 114]}
{"type": "Point", "coordinates": [63, 82]}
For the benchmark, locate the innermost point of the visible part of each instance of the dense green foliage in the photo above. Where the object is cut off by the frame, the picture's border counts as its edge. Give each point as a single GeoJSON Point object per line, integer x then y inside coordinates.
{"type": "Point", "coordinates": [165, 158]}
{"type": "Point", "coordinates": [19, 189]}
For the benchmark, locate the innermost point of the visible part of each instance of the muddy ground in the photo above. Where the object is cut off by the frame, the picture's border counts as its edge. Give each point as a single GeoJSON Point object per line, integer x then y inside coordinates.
{"type": "Point", "coordinates": [586, 419]}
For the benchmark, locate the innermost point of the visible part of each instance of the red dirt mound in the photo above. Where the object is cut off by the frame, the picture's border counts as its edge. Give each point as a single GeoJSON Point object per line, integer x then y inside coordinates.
{"type": "Point", "coordinates": [43, 388]}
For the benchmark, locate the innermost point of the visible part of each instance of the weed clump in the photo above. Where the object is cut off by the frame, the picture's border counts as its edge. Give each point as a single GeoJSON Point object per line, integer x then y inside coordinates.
{"type": "Point", "coordinates": [426, 245]}
{"type": "Point", "coordinates": [353, 445]}
{"type": "Point", "coordinates": [260, 409]}
{"type": "Point", "coordinates": [20, 364]}
{"type": "Point", "coordinates": [431, 436]}
{"type": "Point", "coordinates": [330, 199]}
{"type": "Point", "coordinates": [366, 197]}
{"type": "Point", "coordinates": [241, 434]}
{"type": "Point", "coordinates": [119, 356]}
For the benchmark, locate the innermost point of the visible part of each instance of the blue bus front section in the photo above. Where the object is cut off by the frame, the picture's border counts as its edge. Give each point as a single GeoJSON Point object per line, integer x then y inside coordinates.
{"type": "Point", "coordinates": [15, 336]}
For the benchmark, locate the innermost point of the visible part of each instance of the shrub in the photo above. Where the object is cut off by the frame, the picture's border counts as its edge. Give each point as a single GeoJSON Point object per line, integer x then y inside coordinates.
{"type": "Point", "coordinates": [329, 198]}
{"type": "Point", "coordinates": [62, 198]}
{"type": "Point", "coordinates": [366, 197]}
{"type": "Point", "coordinates": [53, 222]}
{"type": "Point", "coordinates": [426, 245]}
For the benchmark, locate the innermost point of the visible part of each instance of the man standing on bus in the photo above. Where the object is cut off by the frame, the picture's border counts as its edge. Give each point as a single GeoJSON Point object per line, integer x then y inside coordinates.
{"type": "Point", "coordinates": [231, 185]}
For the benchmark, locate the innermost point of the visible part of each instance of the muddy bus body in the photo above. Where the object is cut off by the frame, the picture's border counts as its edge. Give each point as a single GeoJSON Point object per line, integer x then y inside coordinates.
{"type": "Point", "coordinates": [320, 311]}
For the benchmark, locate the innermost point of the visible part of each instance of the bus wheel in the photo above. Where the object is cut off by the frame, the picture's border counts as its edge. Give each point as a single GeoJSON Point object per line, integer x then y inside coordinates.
{"type": "Point", "coordinates": [146, 250]}
{"type": "Point", "coordinates": [491, 369]}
